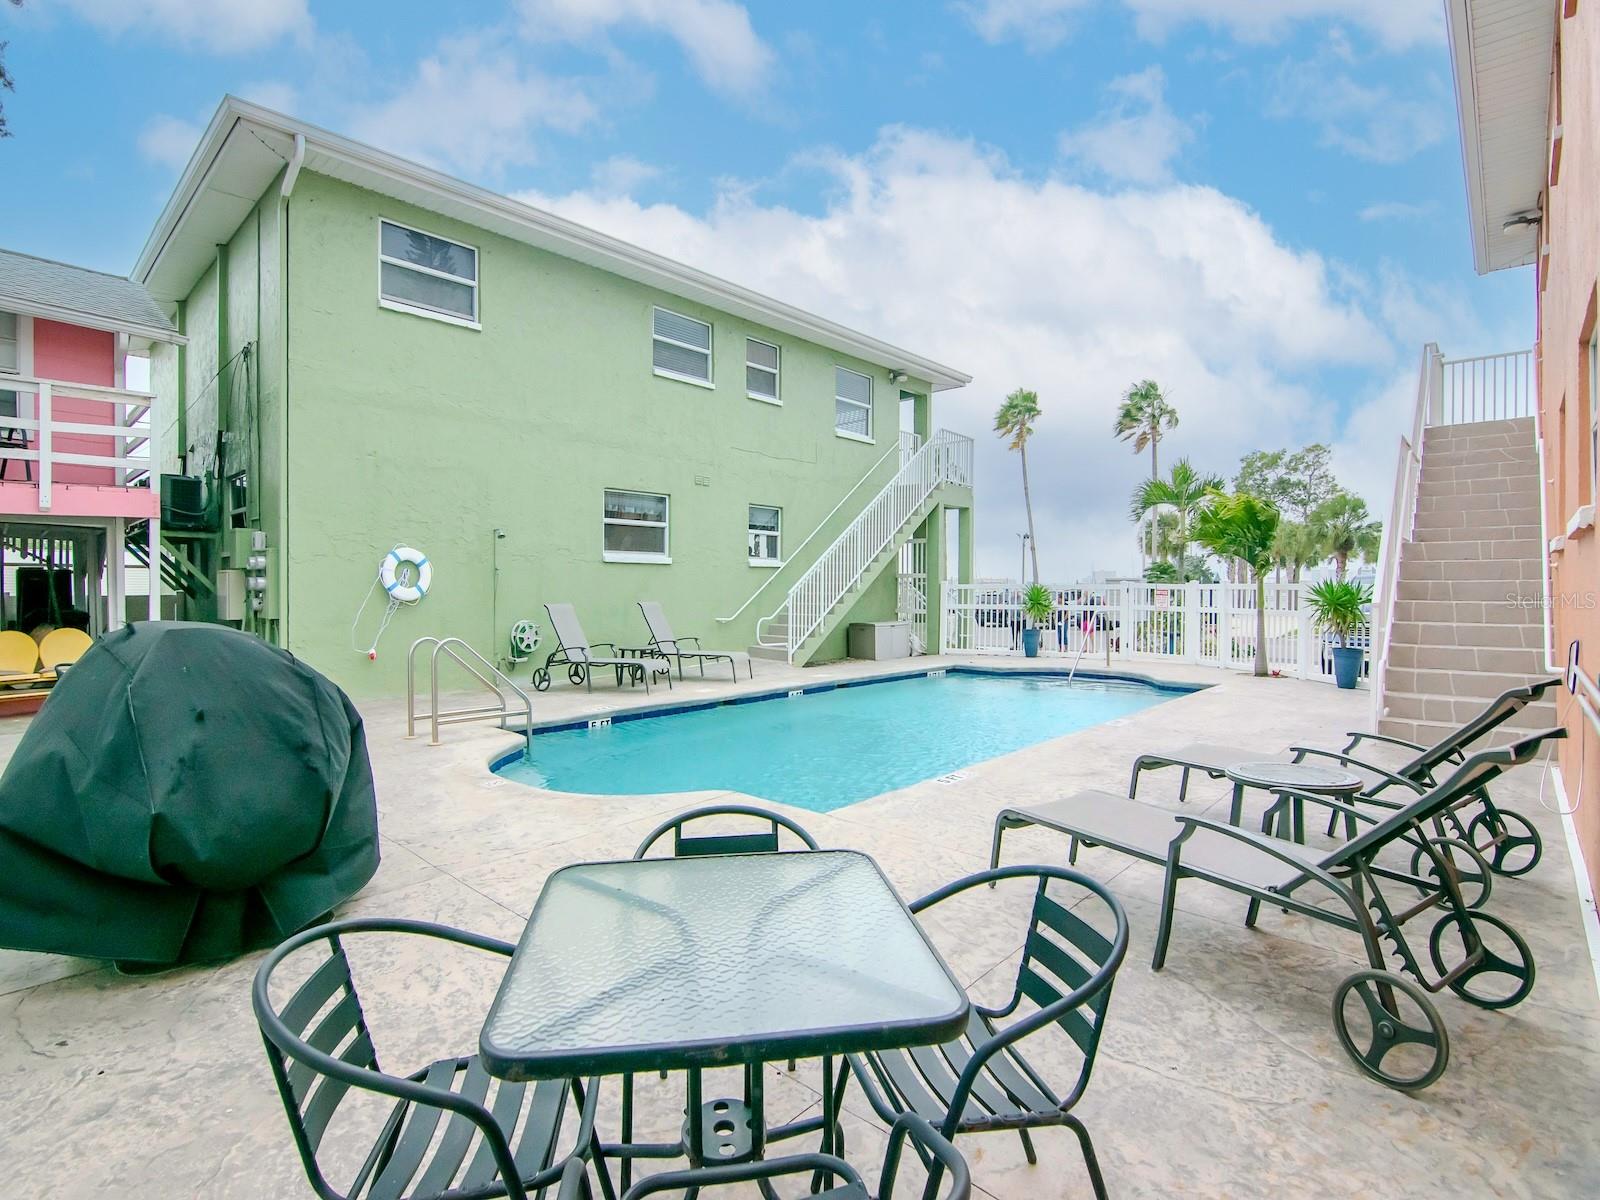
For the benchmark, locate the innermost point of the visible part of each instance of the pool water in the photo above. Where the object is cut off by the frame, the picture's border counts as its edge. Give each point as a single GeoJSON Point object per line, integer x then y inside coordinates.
{"type": "Point", "coordinates": [825, 749]}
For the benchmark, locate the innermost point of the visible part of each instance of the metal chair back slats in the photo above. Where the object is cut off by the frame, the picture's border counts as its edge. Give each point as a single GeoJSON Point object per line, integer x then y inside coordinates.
{"type": "Point", "coordinates": [325, 1098]}
{"type": "Point", "coordinates": [1024, 1093]}
{"type": "Point", "coordinates": [655, 620]}
{"type": "Point", "coordinates": [695, 845]}
{"type": "Point", "coordinates": [941, 1066]}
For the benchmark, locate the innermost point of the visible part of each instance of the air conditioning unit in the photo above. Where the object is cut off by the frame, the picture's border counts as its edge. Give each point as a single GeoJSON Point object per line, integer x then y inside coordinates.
{"type": "Point", "coordinates": [186, 504]}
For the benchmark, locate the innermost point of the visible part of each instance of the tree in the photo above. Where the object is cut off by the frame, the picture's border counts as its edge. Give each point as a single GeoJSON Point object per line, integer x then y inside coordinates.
{"type": "Point", "coordinates": [1015, 420]}
{"type": "Point", "coordinates": [1297, 546]}
{"type": "Point", "coordinates": [1143, 418]}
{"type": "Point", "coordinates": [1296, 483]}
{"type": "Point", "coordinates": [1194, 569]}
{"type": "Point", "coordinates": [1243, 526]}
{"type": "Point", "coordinates": [1347, 529]}
{"type": "Point", "coordinates": [7, 83]}
{"type": "Point", "coordinates": [1184, 492]}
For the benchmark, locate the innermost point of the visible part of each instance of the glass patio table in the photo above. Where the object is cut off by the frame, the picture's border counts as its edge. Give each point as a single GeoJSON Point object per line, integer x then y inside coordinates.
{"type": "Point", "coordinates": [724, 961]}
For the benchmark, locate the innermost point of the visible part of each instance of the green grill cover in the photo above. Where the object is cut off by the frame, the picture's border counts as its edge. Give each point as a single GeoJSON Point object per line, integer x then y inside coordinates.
{"type": "Point", "coordinates": [187, 792]}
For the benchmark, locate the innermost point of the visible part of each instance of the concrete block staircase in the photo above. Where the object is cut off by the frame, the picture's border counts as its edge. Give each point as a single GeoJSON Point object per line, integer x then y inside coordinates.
{"type": "Point", "coordinates": [1468, 621]}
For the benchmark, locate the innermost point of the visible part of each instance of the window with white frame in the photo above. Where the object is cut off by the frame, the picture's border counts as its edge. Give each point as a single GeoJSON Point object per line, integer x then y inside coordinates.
{"type": "Point", "coordinates": [761, 370]}
{"type": "Point", "coordinates": [680, 346]}
{"type": "Point", "coordinates": [422, 273]}
{"type": "Point", "coordinates": [852, 403]}
{"type": "Point", "coordinates": [10, 361]}
{"type": "Point", "coordinates": [635, 527]}
{"type": "Point", "coordinates": [766, 535]}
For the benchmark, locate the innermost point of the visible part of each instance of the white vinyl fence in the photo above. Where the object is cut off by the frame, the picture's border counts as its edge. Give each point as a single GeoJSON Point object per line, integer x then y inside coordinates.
{"type": "Point", "coordinates": [1208, 624]}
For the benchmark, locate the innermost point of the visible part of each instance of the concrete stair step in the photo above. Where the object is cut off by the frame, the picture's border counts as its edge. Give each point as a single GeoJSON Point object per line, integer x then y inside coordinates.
{"type": "Point", "coordinates": [1526, 661]}
{"type": "Point", "coordinates": [1473, 455]}
{"type": "Point", "coordinates": [1465, 612]}
{"type": "Point", "coordinates": [1485, 532]}
{"type": "Point", "coordinates": [1484, 636]}
{"type": "Point", "coordinates": [1459, 518]}
{"type": "Point", "coordinates": [1482, 501]}
{"type": "Point", "coordinates": [1427, 733]}
{"type": "Point", "coordinates": [1453, 711]}
{"type": "Point", "coordinates": [1482, 685]}
{"type": "Point", "coordinates": [1481, 591]}
{"type": "Point", "coordinates": [1475, 551]}
{"type": "Point", "coordinates": [1528, 572]}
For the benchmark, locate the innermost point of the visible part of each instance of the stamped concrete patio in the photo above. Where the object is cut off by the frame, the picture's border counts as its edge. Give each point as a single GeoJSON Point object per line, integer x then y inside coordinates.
{"type": "Point", "coordinates": [1219, 1076]}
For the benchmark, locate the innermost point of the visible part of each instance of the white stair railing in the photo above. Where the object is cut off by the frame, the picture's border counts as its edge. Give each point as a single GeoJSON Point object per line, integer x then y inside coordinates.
{"type": "Point", "coordinates": [946, 459]}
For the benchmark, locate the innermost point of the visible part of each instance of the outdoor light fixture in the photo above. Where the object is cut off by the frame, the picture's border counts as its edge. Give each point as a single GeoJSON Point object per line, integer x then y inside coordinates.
{"type": "Point", "coordinates": [1522, 220]}
{"type": "Point", "coordinates": [898, 377]}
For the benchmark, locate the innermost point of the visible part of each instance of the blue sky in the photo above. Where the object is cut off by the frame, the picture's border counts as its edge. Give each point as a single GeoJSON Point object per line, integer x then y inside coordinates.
{"type": "Point", "coordinates": [1259, 205]}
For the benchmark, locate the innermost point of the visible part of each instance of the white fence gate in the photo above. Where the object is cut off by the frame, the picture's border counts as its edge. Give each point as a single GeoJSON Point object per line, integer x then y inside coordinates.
{"type": "Point", "coordinates": [1207, 624]}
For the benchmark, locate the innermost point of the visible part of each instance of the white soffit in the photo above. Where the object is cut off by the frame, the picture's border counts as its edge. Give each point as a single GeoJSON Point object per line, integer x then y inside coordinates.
{"type": "Point", "coordinates": [1502, 53]}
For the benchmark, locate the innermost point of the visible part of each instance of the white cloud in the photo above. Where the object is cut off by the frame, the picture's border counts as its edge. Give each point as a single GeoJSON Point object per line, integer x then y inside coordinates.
{"type": "Point", "coordinates": [938, 245]}
{"type": "Point", "coordinates": [473, 107]}
{"type": "Point", "coordinates": [716, 34]}
{"type": "Point", "coordinates": [1040, 23]}
{"type": "Point", "coordinates": [225, 26]}
{"type": "Point", "coordinates": [1371, 121]}
{"type": "Point", "coordinates": [621, 175]}
{"type": "Point", "coordinates": [1135, 136]}
{"type": "Point", "coordinates": [1397, 24]}
{"type": "Point", "coordinates": [169, 141]}
{"type": "Point", "coordinates": [1395, 210]}
{"type": "Point", "coordinates": [271, 93]}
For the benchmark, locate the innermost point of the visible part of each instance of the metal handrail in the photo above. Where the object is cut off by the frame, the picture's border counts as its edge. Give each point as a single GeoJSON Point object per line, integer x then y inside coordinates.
{"type": "Point", "coordinates": [946, 458]}
{"type": "Point", "coordinates": [906, 445]}
{"type": "Point", "coordinates": [457, 716]}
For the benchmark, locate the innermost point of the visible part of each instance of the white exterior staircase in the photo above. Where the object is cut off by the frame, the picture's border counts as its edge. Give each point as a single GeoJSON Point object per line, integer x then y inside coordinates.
{"type": "Point", "coordinates": [1466, 617]}
{"type": "Point", "coordinates": [825, 593]}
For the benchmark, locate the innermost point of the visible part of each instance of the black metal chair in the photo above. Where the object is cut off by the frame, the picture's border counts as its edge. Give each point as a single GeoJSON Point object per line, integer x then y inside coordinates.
{"type": "Point", "coordinates": [763, 842]}
{"type": "Point", "coordinates": [980, 1083]}
{"type": "Point", "coordinates": [929, 1144]}
{"type": "Point", "coordinates": [446, 1134]}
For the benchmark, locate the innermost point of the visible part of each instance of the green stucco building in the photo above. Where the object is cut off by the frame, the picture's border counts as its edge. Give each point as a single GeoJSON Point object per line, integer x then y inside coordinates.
{"type": "Point", "coordinates": [376, 354]}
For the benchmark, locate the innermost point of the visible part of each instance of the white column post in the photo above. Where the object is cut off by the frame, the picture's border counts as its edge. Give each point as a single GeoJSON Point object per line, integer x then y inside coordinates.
{"type": "Point", "coordinates": [155, 565]}
{"type": "Point", "coordinates": [44, 445]}
{"type": "Point", "coordinates": [1225, 625]}
{"type": "Point", "coordinates": [116, 574]}
{"type": "Point", "coordinates": [1309, 660]}
{"type": "Point", "coordinates": [1191, 622]}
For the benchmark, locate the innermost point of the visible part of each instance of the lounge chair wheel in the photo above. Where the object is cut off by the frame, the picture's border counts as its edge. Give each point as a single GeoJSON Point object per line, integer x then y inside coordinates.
{"type": "Point", "coordinates": [1390, 1027]}
{"type": "Point", "coordinates": [1514, 848]}
{"type": "Point", "coordinates": [1504, 973]}
{"type": "Point", "coordinates": [575, 675]}
{"type": "Point", "coordinates": [541, 679]}
{"type": "Point", "coordinates": [1473, 874]}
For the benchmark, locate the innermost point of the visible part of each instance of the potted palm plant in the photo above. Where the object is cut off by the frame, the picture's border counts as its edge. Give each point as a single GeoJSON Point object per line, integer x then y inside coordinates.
{"type": "Point", "coordinates": [1339, 607]}
{"type": "Point", "coordinates": [1037, 606]}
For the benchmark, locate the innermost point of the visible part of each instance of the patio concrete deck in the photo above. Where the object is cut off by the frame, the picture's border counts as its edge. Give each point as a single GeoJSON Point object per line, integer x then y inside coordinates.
{"type": "Point", "coordinates": [1219, 1076]}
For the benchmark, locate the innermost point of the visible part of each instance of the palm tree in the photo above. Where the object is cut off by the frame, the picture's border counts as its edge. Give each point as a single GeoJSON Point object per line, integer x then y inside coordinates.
{"type": "Point", "coordinates": [1144, 418]}
{"type": "Point", "coordinates": [1184, 492]}
{"type": "Point", "coordinates": [1015, 420]}
{"type": "Point", "coordinates": [1243, 526]}
{"type": "Point", "coordinates": [1298, 545]}
{"type": "Point", "coordinates": [1346, 529]}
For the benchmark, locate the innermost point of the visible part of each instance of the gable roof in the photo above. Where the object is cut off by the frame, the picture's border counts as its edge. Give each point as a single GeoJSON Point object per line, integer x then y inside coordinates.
{"type": "Point", "coordinates": [42, 287]}
{"type": "Point", "coordinates": [245, 147]}
{"type": "Point", "coordinates": [1502, 52]}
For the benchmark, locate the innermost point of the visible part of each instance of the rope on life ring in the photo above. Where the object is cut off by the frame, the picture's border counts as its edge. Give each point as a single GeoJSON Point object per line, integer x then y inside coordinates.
{"type": "Point", "coordinates": [403, 588]}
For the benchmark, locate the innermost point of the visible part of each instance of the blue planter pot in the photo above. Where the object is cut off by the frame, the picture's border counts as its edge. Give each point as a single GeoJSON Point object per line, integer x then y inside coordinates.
{"type": "Point", "coordinates": [1030, 642]}
{"type": "Point", "coordinates": [1347, 665]}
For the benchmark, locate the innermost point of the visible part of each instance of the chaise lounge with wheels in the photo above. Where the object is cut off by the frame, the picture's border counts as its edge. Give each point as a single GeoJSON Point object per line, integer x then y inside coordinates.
{"type": "Point", "coordinates": [1505, 838]}
{"type": "Point", "coordinates": [575, 652]}
{"type": "Point", "coordinates": [1489, 963]}
{"type": "Point", "coordinates": [665, 643]}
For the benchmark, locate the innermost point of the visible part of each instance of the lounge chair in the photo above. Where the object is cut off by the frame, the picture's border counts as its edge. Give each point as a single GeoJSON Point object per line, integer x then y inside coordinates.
{"type": "Point", "coordinates": [575, 652]}
{"type": "Point", "coordinates": [665, 643]}
{"type": "Point", "coordinates": [60, 649]}
{"type": "Point", "coordinates": [1274, 870]}
{"type": "Point", "coordinates": [19, 659]}
{"type": "Point", "coordinates": [1498, 834]}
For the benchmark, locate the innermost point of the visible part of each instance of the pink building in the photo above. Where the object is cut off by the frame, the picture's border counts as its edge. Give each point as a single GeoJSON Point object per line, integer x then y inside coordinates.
{"type": "Point", "coordinates": [78, 514]}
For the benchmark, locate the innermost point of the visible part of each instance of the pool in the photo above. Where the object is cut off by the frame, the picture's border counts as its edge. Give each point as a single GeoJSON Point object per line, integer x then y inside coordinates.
{"type": "Point", "coordinates": [832, 745]}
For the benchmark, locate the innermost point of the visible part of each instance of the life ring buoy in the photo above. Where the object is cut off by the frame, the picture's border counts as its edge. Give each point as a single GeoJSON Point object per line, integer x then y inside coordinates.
{"type": "Point", "coordinates": [389, 574]}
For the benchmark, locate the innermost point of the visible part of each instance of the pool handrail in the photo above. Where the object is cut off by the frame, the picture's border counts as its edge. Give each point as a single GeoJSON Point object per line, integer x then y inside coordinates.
{"type": "Point", "coordinates": [499, 684]}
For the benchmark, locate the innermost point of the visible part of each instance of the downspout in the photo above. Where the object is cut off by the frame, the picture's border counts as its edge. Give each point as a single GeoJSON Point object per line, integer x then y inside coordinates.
{"type": "Point", "coordinates": [183, 401]}
{"type": "Point", "coordinates": [291, 176]}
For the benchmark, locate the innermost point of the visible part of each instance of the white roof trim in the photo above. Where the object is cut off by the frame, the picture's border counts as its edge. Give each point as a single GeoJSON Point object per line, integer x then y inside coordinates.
{"type": "Point", "coordinates": [1502, 55]}
{"type": "Point", "coordinates": [246, 145]}
{"type": "Point", "coordinates": [88, 320]}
